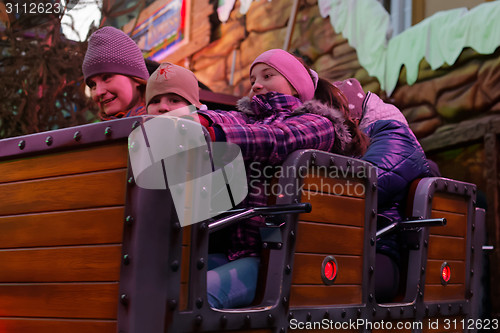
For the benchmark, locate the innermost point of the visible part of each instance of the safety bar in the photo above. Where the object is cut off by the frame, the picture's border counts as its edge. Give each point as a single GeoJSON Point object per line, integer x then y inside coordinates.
{"type": "Point", "coordinates": [245, 213]}
{"type": "Point", "coordinates": [412, 224]}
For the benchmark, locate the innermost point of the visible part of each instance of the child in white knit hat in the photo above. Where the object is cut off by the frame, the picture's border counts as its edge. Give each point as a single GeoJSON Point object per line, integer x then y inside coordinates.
{"type": "Point", "coordinates": [116, 73]}
{"type": "Point", "coordinates": [170, 88]}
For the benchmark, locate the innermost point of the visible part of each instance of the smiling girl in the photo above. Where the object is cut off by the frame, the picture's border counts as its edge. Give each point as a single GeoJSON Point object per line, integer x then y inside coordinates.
{"type": "Point", "coordinates": [116, 73]}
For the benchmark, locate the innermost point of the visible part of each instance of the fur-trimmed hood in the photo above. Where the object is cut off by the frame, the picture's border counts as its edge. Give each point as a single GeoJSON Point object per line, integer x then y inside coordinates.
{"type": "Point", "coordinates": [264, 106]}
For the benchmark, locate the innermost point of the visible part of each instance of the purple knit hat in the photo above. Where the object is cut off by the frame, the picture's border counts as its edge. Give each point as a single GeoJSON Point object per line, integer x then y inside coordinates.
{"type": "Point", "coordinates": [110, 50]}
{"type": "Point", "coordinates": [292, 69]}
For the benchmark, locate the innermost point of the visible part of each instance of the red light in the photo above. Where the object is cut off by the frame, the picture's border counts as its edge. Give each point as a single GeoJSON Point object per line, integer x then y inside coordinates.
{"type": "Point", "coordinates": [330, 270]}
{"type": "Point", "coordinates": [445, 273]}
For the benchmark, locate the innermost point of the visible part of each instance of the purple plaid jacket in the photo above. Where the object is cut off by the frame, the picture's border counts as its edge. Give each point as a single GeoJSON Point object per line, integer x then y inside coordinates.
{"type": "Point", "coordinates": [267, 129]}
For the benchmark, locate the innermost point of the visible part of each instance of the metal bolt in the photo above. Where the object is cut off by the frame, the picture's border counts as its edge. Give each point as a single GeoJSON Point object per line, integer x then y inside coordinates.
{"type": "Point", "coordinates": [401, 310]}
{"type": "Point", "coordinates": [358, 312]}
{"type": "Point", "coordinates": [288, 269]}
{"type": "Point", "coordinates": [198, 320]}
{"type": "Point", "coordinates": [284, 300]}
{"type": "Point", "coordinates": [374, 187]}
{"type": "Point", "coordinates": [49, 140]}
{"type": "Point", "coordinates": [107, 131]}
{"type": "Point", "coordinates": [135, 124]}
{"type": "Point", "coordinates": [77, 136]}
{"type": "Point", "coordinates": [130, 180]}
{"type": "Point", "coordinates": [199, 302]}
{"type": "Point", "coordinates": [174, 266]}
{"type": "Point", "coordinates": [309, 316]}
{"type": "Point", "coordinates": [371, 270]}
{"type": "Point", "coordinates": [129, 220]}
{"type": "Point", "coordinates": [21, 144]}
{"type": "Point", "coordinates": [372, 241]}
{"type": "Point", "coordinates": [223, 321]}
{"type": "Point", "coordinates": [201, 263]}
{"type": "Point", "coordinates": [247, 320]}
{"type": "Point", "coordinates": [326, 315]}
{"type": "Point", "coordinates": [270, 319]}
{"type": "Point", "coordinates": [374, 312]}
{"type": "Point", "coordinates": [126, 259]}
{"type": "Point", "coordinates": [290, 315]}
{"type": "Point", "coordinates": [343, 314]}
{"type": "Point", "coordinates": [279, 245]}
{"type": "Point", "coordinates": [124, 299]}
{"type": "Point", "coordinates": [172, 304]}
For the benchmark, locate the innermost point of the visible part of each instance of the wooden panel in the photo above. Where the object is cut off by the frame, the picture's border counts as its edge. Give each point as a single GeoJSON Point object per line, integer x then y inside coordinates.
{"type": "Point", "coordinates": [107, 157]}
{"type": "Point", "coordinates": [338, 185]}
{"type": "Point", "coordinates": [433, 271]}
{"type": "Point", "coordinates": [325, 295]}
{"type": "Point", "coordinates": [334, 209]}
{"type": "Point", "coordinates": [436, 292]}
{"type": "Point", "coordinates": [456, 224]}
{"type": "Point", "coordinates": [93, 226]}
{"type": "Point", "coordinates": [446, 248]}
{"type": "Point", "coordinates": [61, 264]}
{"type": "Point", "coordinates": [100, 189]}
{"type": "Point", "coordinates": [307, 269]}
{"type": "Point", "coordinates": [72, 300]}
{"type": "Point", "coordinates": [449, 203]}
{"type": "Point", "coordinates": [28, 325]}
{"type": "Point", "coordinates": [330, 239]}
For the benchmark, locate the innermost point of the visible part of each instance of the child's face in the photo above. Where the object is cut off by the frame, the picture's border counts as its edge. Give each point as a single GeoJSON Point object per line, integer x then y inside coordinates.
{"type": "Point", "coordinates": [114, 93]}
{"type": "Point", "coordinates": [264, 79]}
{"type": "Point", "coordinates": [166, 103]}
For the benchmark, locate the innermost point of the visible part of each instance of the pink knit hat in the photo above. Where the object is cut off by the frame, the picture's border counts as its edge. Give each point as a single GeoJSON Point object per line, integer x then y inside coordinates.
{"type": "Point", "coordinates": [110, 50]}
{"type": "Point", "coordinates": [292, 69]}
{"type": "Point", "coordinates": [170, 78]}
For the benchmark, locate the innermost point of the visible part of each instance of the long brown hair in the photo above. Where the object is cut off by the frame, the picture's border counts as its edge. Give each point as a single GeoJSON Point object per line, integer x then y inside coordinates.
{"type": "Point", "coordinates": [332, 96]}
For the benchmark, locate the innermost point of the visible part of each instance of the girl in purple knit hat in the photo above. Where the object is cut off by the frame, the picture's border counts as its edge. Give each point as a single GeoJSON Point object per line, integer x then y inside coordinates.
{"type": "Point", "coordinates": [288, 108]}
{"type": "Point", "coordinates": [115, 71]}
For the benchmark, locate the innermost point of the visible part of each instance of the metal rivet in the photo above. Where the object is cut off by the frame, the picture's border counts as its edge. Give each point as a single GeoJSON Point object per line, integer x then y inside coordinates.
{"type": "Point", "coordinates": [374, 213]}
{"type": "Point", "coordinates": [326, 315]}
{"type": "Point", "coordinates": [199, 302]}
{"type": "Point", "coordinates": [449, 307]}
{"type": "Point", "coordinates": [176, 226]}
{"type": "Point", "coordinates": [358, 312]}
{"type": "Point", "coordinates": [135, 124]}
{"type": "Point", "coordinates": [370, 297]}
{"type": "Point", "coordinates": [77, 136]}
{"type": "Point", "coordinates": [130, 180]}
{"type": "Point", "coordinates": [372, 241]}
{"type": "Point", "coordinates": [343, 314]}
{"type": "Point", "coordinates": [223, 321]}
{"type": "Point", "coordinates": [265, 245]}
{"type": "Point", "coordinates": [284, 300]}
{"type": "Point", "coordinates": [270, 319]}
{"type": "Point", "coordinates": [201, 263]}
{"type": "Point", "coordinates": [124, 299]}
{"type": "Point", "coordinates": [49, 140]}
{"type": "Point", "coordinates": [21, 144]}
{"type": "Point", "coordinates": [288, 269]}
{"type": "Point", "coordinates": [126, 259]}
{"type": "Point", "coordinates": [374, 187]}
{"type": "Point", "coordinates": [174, 266]}
{"type": "Point", "coordinates": [203, 227]}
{"type": "Point", "coordinates": [107, 131]}
{"type": "Point", "coordinates": [388, 311]}
{"type": "Point", "coordinates": [439, 307]}
{"type": "Point", "coordinates": [290, 315]}
{"type": "Point", "coordinates": [422, 270]}
{"type": "Point", "coordinates": [282, 330]}
{"type": "Point", "coordinates": [371, 270]}
{"type": "Point", "coordinates": [172, 304]}
{"type": "Point", "coordinates": [374, 312]}
{"type": "Point", "coordinates": [401, 310]}
{"type": "Point", "coordinates": [129, 220]}
{"type": "Point", "coordinates": [279, 245]}
{"type": "Point", "coordinates": [426, 243]}
{"type": "Point", "coordinates": [309, 316]}
{"type": "Point", "coordinates": [248, 320]}
{"type": "Point", "coordinates": [198, 320]}
{"type": "Point", "coordinates": [471, 272]}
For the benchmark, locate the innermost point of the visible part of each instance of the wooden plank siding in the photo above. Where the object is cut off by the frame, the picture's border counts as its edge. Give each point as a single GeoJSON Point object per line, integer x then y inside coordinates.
{"type": "Point", "coordinates": [335, 227]}
{"type": "Point", "coordinates": [61, 225]}
{"type": "Point", "coordinates": [447, 244]}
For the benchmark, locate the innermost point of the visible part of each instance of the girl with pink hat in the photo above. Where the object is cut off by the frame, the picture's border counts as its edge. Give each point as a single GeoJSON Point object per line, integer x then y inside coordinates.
{"type": "Point", "coordinates": [116, 73]}
{"type": "Point", "coordinates": [288, 108]}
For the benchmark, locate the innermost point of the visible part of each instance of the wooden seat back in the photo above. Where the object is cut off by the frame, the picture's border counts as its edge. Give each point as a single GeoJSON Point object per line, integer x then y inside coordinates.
{"type": "Point", "coordinates": [61, 223]}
